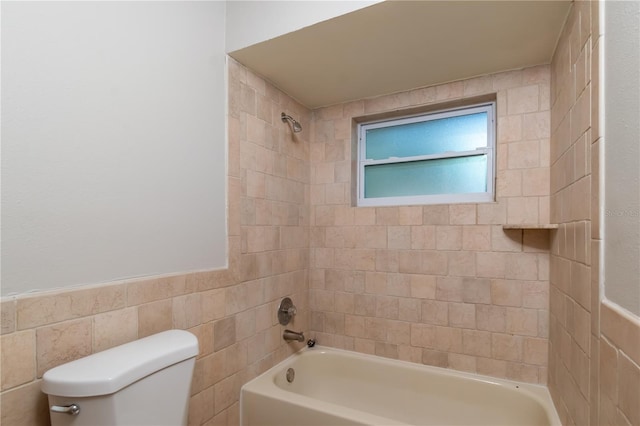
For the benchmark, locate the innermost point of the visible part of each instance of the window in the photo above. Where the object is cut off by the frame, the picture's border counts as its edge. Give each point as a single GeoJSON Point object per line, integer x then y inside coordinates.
{"type": "Point", "coordinates": [440, 157]}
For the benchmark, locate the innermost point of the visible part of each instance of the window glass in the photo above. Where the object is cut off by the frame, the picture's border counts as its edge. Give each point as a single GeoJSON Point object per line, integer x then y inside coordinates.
{"type": "Point", "coordinates": [441, 157]}
{"type": "Point", "coordinates": [446, 176]}
{"type": "Point", "coordinates": [461, 133]}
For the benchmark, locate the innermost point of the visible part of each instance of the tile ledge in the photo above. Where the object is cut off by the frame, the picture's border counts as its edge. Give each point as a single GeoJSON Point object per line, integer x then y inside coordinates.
{"type": "Point", "coordinates": [531, 226]}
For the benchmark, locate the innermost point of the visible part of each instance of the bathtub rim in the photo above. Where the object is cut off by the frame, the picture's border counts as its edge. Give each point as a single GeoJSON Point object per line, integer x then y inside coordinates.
{"type": "Point", "coordinates": [538, 392]}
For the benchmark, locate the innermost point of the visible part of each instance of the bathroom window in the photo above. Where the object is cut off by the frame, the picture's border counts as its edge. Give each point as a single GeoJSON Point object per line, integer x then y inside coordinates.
{"type": "Point", "coordinates": [441, 157]}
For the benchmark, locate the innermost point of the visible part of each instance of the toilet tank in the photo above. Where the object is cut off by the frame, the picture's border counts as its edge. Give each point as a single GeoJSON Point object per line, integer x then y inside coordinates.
{"type": "Point", "coordinates": [145, 382]}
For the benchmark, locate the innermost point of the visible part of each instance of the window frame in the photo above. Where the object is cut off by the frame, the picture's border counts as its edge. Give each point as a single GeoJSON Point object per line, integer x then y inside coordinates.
{"type": "Point", "coordinates": [489, 151]}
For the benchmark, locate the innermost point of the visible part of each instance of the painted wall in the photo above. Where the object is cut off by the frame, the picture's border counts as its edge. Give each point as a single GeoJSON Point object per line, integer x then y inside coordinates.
{"type": "Point", "coordinates": [113, 141]}
{"type": "Point", "coordinates": [622, 154]}
{"type": "Point", "coordinates": [251, 22]}
{"type": "Point", "coordinates": [616, 355]}
{"type": "Point", "coordinates": [232, 311]}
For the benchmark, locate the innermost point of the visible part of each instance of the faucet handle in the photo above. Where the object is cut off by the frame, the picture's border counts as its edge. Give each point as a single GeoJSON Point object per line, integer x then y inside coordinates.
{"type": "Point", "coordinates": [286, 311]}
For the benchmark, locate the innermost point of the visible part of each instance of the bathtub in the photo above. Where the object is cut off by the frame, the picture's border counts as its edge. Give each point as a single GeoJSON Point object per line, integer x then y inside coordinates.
{"type": "Point", "coordinates": [337, 387]}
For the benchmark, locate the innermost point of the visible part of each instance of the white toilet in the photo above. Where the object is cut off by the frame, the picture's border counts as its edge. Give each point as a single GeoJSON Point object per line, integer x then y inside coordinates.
{"type": "Point", "coordinates": [146, 382]}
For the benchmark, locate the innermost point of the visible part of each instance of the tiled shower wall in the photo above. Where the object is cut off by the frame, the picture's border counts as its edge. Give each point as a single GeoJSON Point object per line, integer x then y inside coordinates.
{"type": "Point", "coordinates": [594, 358]}
{"type": "Point", "coordinates": [573, 298]}
{"type": "Point", "coordinates": [232, 311]}
{"type": "Point", "coordinates": [442, 285]}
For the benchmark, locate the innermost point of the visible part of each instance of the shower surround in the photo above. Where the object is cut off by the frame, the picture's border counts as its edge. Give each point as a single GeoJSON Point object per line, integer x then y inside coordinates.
{"type": "Point", "coordinates": [443, 285]}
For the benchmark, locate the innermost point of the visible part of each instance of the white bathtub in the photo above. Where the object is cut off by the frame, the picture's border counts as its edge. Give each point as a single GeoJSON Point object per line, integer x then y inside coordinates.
{"type": "Point", "coordinates": [336, 387]}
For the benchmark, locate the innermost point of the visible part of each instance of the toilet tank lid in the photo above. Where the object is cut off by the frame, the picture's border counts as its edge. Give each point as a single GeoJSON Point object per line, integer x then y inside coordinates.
{"type": "Point", "coordinates": [109, 371]}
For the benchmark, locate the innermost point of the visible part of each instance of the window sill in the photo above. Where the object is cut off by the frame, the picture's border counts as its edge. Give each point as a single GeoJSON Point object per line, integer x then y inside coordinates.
{"type": "Point", "coordinates": [531, 226]}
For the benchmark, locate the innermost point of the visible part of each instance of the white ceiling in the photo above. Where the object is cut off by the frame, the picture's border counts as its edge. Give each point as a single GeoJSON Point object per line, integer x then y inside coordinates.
{"type": "Point", "coordinates": [399, 45]}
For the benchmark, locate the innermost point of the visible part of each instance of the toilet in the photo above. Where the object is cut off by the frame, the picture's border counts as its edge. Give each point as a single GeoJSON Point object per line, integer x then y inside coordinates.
{"type": "Point", "coordinates": [145, 382]}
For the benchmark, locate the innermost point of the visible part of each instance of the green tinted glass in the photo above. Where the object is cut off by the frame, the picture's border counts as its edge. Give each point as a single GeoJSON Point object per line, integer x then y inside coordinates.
{"type": "Point", "coordinates": [459, 175]}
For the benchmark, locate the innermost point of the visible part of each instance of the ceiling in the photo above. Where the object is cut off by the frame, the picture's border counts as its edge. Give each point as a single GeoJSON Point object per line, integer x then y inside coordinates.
{"type": "Point", "coordinates": [399, 45]}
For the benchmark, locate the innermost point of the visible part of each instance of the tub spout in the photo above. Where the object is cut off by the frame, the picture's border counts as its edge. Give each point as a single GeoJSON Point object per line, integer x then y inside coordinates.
{"type": "Point", "coordinates": [289, 336]}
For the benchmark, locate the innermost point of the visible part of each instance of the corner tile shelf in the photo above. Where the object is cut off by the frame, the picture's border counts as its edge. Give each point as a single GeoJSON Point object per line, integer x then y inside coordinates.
{"type": "Point", "coordinates": [531, 226]}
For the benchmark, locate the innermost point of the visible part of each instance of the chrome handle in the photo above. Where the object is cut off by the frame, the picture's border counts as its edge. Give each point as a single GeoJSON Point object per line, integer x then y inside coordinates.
{"type": "Point", "coordinates": [72, 410]}
{"type": "Point", "coordinates": [286, 311]}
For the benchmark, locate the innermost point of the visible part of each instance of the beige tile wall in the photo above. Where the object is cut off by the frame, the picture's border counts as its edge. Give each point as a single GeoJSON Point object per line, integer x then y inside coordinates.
{"type": "Point", "coordinates": [574, 199]}
{"type": "Point", "coordinates": [573, 379]}
{"type": "Point", "coordinates": [619, 367]}
{"type": "Point", "coordinates": [443, 285]}
{"type": "Point", "coordinates": [594, 373]}
{"type": "Point", "coordinates": [231, 311]}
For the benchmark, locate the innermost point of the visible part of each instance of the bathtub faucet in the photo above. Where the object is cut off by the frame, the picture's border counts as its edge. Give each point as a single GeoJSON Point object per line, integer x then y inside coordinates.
{"type": "Point", "coordinates": [289, 336]}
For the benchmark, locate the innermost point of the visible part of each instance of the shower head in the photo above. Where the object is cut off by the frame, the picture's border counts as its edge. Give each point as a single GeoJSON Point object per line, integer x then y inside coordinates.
{"type": "Point", "coordinates": [295, 126]}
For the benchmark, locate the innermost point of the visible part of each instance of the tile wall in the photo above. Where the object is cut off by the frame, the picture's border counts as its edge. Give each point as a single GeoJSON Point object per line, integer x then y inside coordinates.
{"type": "Point", "coordinates": [574, 255]}
{"type": "Point", "coordinates": [594, 359]}
{"type": "Point", "coordinates": [442, 285]}
{"type": "Point", "coordinates": [619, 367]}
{"type": "Point", "coordinates": [232, 311]}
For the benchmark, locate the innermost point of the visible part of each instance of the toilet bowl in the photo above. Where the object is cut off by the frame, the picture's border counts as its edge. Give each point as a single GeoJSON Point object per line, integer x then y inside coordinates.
{"type": "Point", "coordinates": [145, 382]}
